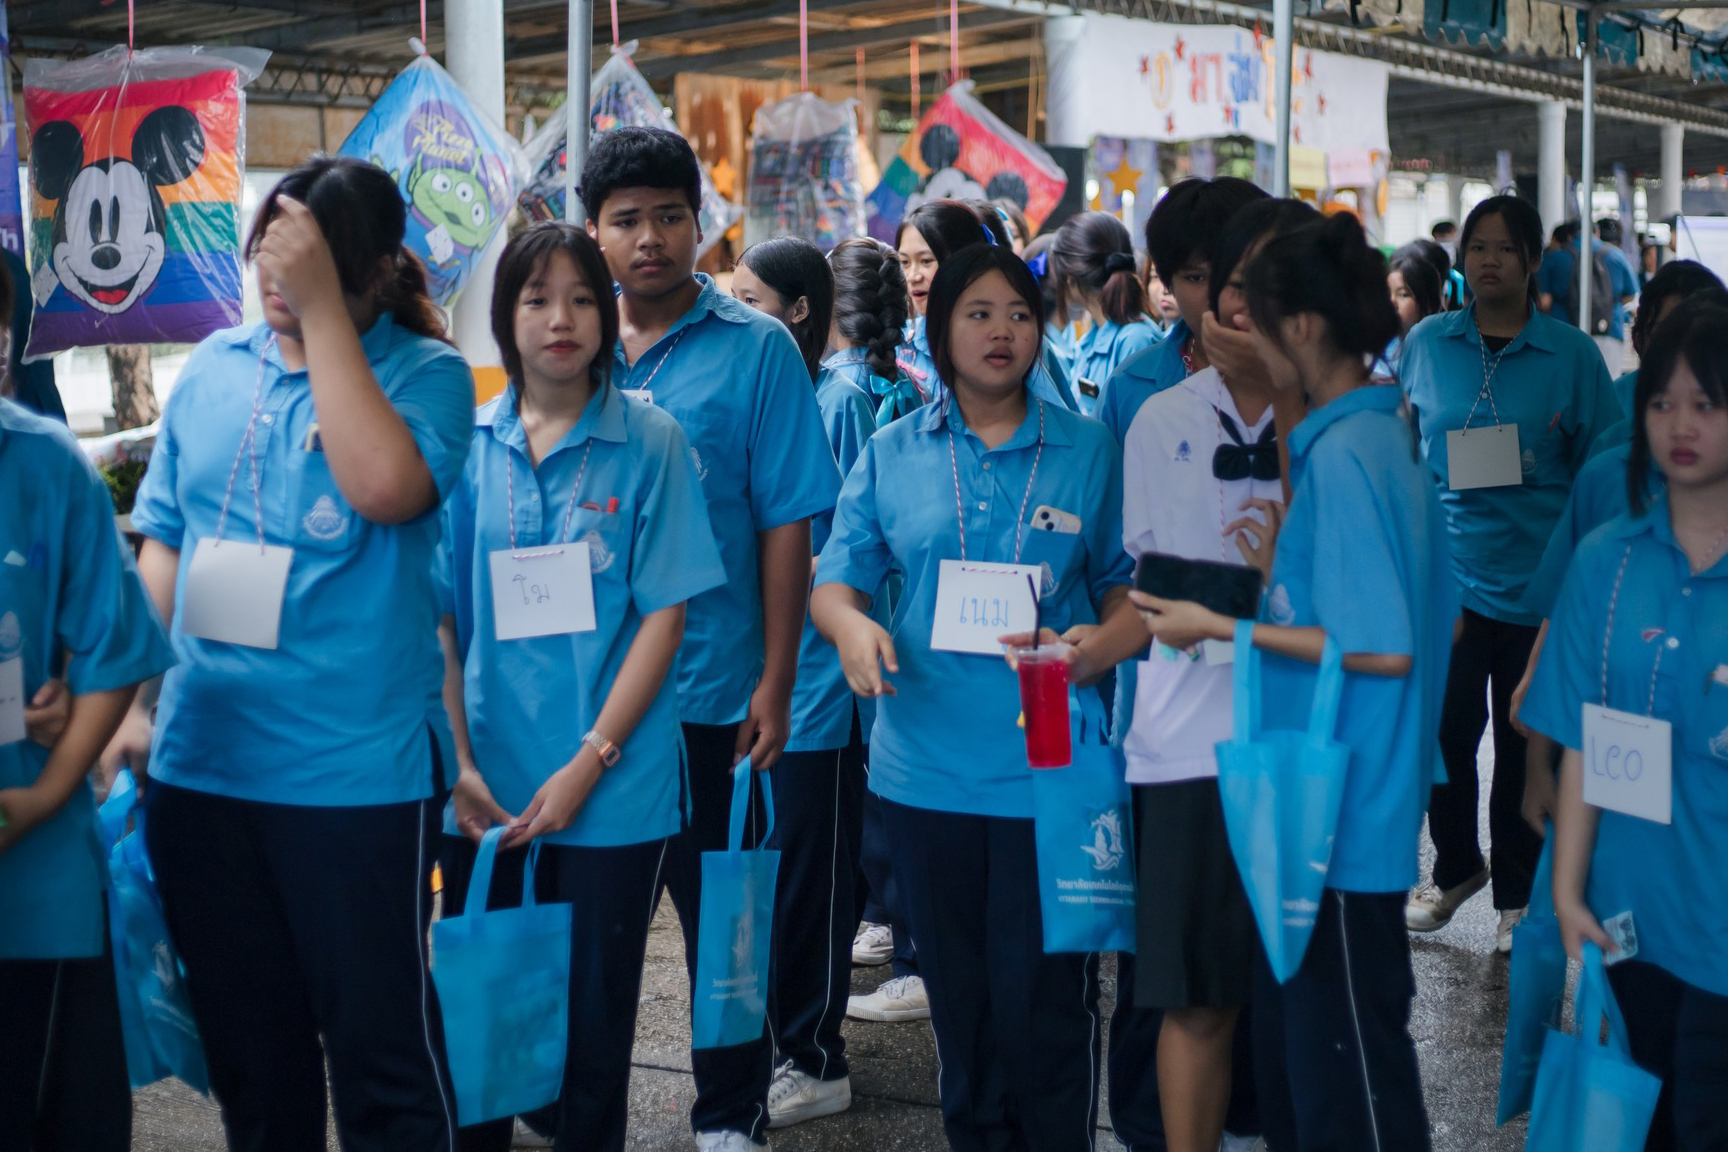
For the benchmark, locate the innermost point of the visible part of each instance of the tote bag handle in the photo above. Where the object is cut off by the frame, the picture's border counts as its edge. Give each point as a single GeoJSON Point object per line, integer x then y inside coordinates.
{"type": "Point", "coordinates": [480, 882]}
{"type": "Point", "coordinates": [1595, 1000]}
{"type": "Point", "coordinates": [741, 806]}
{"type": "Point", "coordinates": [1328, 690]}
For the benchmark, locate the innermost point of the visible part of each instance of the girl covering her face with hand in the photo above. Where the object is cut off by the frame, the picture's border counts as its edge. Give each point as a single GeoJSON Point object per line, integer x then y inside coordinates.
{"type": "Point", "coordinates": [947, 759]}
{"type": "Point", "coordinates": [298, 770]}
{"type": "Point", "coordinates": [567, 731]}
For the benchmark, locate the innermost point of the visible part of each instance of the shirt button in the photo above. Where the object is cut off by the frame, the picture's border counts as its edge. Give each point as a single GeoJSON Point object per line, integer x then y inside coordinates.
{"type": "Point", "coordinates": [534, 499]}
{"type": "Point", "coordinates": [983, 507]}
{"type": "Point", "coordinates": [1685, 591]}
{"type": "Point", "coordinates": [987, 465]}
{"type": "Point", "coordinates": [267, 418]}
{"type": "Point", "coordinates": [1673, 642]}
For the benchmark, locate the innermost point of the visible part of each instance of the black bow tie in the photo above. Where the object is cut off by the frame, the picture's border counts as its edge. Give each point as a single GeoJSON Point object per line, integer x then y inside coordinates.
{"type": "Point", "coordinates": [1238, 460]}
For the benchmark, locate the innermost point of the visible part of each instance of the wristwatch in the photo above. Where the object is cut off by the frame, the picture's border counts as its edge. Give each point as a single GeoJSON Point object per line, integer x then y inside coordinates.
{"type": "Point", "coordinates": [604, 748]}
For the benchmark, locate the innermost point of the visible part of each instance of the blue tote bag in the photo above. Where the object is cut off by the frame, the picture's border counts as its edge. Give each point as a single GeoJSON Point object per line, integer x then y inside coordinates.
{"type": "Point", "coordinates": [737, 922]}
{"type": "Point", "coordinates": [155, 1012]}
{"type": "Point", "coordinates": [1536, 987]}
{"type": "Point", "coordinates": [1084, 837]}
{"type": "Point", "coordinates": [1589, 1096]}
{"type": "Point", "coordinates": [1281, 792]}
{"type": "Point", "coordinates": [503, 980]}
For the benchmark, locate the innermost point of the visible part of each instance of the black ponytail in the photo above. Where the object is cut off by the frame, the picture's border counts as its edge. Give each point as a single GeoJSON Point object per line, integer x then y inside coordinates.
{"type": "Point", "coordinates": [870, 300]}
{"type": "Point", "coordinates": [1327, 267]}
{"type": "Point", "coordinates": [1094, 251]}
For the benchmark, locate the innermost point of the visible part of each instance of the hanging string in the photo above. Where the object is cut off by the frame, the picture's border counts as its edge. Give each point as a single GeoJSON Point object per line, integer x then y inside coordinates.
{"type": "Point", "coordinates": [803, 45]}
{"type": "Point", "coordinates": [614, 23]}
{"type": "Point", "coordinates": [422, 20]}
{"type": "Point", "coordinates": [131, 22]}
{"type": "Point", "coordinates": [917, 87]}
{"type": "Point", "coordinates": [953, 41]}
{"type": "Point", "coordinates": [859, 57]}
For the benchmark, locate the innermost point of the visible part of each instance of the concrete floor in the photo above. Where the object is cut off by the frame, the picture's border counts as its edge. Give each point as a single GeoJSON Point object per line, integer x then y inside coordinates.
{"type": "Point", "coordinates": [1458, 1022]}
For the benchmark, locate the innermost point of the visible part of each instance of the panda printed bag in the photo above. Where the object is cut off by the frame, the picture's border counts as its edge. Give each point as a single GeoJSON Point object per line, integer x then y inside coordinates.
{"type": "Point", "coordinates": [457, 170]}
{"type": "Point", "coordinates": [135, 184]}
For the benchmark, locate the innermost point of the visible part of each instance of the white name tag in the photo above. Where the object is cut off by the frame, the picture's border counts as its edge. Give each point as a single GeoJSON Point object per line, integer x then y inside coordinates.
{"type": "Point", "coordinates": [1218, 652]}
{"type": "Point", "coordinates": [234, 592]}
{"type": "Point", "coordinates": [646, 395]}
{"type": "Point", "coordinates": [12, 700]}
{"type": "Point", "coordinates": [1483, 458]}
{"type": "Point", "coordinates": [542, 591]}
{"type": "Point", "coordinates": [978, 603]}
{"type": "Point", "coordinates": [1628, 763]}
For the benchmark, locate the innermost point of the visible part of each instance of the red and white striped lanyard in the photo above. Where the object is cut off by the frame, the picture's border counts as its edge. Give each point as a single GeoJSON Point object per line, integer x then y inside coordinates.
{"type": "Point", "coordinates": [1608, 635]}
{"type": "Point", "coordinates": [959, 501]}
{"type": "Point", "coordinates": [249, 450]}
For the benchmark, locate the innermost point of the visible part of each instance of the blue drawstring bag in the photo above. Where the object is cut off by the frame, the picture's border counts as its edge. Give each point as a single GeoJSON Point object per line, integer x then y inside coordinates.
{"type": "Point", "coordinates": [737, 922]}
{"type": "Point", "coordinates": [1281, 792]}
{"type": "Point", "coordinates": [155, 1012]}
{"type": "Point", "coordinates": [1084, 837]}
{"type": "Point", "coordinates": [503, 980]}
{"type": "Point", "coordinates": [1536, 986]}
{"type": "Point", "coordinates": [1590, 1096]}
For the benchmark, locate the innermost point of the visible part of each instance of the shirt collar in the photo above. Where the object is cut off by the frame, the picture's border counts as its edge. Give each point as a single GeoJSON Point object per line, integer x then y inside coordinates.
{"type": "Point", "coordinates": [1368, 398]}
{"type": "Point", "coordinates": [1655, 522]}
{"type": "Point", "coordinates": [1155, 363]}
{"type": "Point", "coordinates": [710, 301]}
{"type": "Point", "coordinates": [1537, 332]}
{"type": "Point", "coordinates": [945, 415]}
{"type": "Point", "coordinates": [602, 419]}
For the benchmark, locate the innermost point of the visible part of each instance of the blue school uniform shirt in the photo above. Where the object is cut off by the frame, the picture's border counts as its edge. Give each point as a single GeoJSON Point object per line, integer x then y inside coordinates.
{"type": "Point", "coordinates": [1558, 277]}
{"type": "Point", "coordinates": [1358, 491]}
{"type": "Point", "coordinates": [1598, 496]}
{"type": "Point", "coordinates": [949, 741]}
{"type": "Point", "coordinates": [1669, 876]}
{"type": "Point", "coordinates": [737, 385]}
{"type": "Point", "coordinates": [1102, 350]}
{"type": "Point", "coordinates": [1049, 378]}
{"type": "Point", "coordinates": [529, 701]}
{"type": "Point", "coordinates": [340, 712]}
{"type": "Point", "coordinates": [1550, 382]}
{"type": "Point", "coordinates": [1140, 377]}
{"type": "Point", "coordinates": [822, 704]}
{"type": "Point", "coordinates": [1625, 388]}
{"type": "Point", "coordinates": [68, 590]}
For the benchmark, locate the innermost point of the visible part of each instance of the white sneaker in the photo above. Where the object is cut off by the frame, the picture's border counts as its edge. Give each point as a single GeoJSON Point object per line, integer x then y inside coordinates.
{"type": "Point", "coordinates": [873, 945]}
{"type": "Point", "coordinates": [1509, 919]}
{"type": "Point", "coordinates": [728, 1141]}
{"type": "Point", "coordinates": [795, 1097]}
{"type": "Point", "coordinates": [1232, 1143]}
{"type": "Point", "coordinates": [902, 998]}
{"type": "Point", "coordinates": [1431, 909]}
{"type": "Point", "coordinates": [526, 1137]}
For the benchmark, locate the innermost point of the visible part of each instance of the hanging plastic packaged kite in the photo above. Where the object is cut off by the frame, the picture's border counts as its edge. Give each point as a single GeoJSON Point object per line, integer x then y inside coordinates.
{"type": "Point", "coordinates": [804, 172]}
{"type": "Point", "coordinates": [618, 96]}
{"type": "Point", "coordinates": [457, 169]}
{"type": "Point", "coordinates": [962, 151]}
{"type": "Point", "coordinates": [135, 175]}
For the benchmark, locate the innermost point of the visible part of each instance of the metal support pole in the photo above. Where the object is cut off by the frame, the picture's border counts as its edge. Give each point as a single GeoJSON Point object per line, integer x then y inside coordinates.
{"type": "Point", "coordinates": [576, 120]}
{"type": "Point", "coordinates": [1587, 170]}
{"type": "Point", "coordinates": [1667, 202]}
{"type": "Point", "coordinates": [1284, 41]}
{"type": "Point", "coordinates": [474, 50]}
{"type": "Point", "coordinates": [1551, 163]}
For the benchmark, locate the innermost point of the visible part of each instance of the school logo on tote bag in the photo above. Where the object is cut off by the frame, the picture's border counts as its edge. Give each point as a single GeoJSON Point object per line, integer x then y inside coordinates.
{"type": "Point", "coordinates": [1106, 849]}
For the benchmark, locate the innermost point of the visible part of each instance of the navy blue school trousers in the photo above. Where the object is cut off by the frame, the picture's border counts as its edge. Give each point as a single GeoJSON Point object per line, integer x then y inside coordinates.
{"type": "Point", "coordinates": [1017, 1031]}
{"type": "Point", "coordinates": [883, 905]}
{"type": "Point", "coordinates": [611, 894]}
{"type": "Point", "coordinates": [1679, 1032]}
{"type": "Point", "coordinates": [303, 932]}
{"type": "Point", "coordinates": [63, 1082]}
{"type": "Point", "coordinates": [731, 1082]}
{"type": "Point", "coordinates": [1335, 1062]}
{"type": "Point", "coordinates": [817, 829]}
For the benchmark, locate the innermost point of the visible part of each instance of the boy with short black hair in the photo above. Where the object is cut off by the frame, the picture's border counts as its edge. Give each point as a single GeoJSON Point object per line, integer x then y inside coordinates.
{"type": "Point", "coordinates": [735, 382]}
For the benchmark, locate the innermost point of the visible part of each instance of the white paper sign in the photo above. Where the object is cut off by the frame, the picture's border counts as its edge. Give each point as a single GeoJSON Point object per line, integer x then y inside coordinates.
{"type": "Point", "coordinates": [1483, 457]}
{"type": "Point", "coordinates": [11, 700]}
{"type": "Point", "coordinates": [1628, 763]}
{"type": "Point", "coordinates": [542, 591]}
{"type": "Point", "coordinates": [977, 603]}
{"type": "Point", "coordinates": [234, 592]}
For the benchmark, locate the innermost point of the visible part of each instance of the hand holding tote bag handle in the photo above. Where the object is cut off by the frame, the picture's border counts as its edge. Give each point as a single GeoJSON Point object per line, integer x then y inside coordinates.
{"type": "Point", "coordinates": [1281, 792]}
{"type": "Point", "coordinates": [1085, 841]}
{"type": "Point", "coordinates": [1536, 985]}
{"type": "Point", "coordinates": [1590, 1097]}
{"type": "Point", "coordinates": [737, 922]}
{"type": "Point", "coordinates": [503, 980]}
{"type": "Point", "coordinates": [156, 1023]}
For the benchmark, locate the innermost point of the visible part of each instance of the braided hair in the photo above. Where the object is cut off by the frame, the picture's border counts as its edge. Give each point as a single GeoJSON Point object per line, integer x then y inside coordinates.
{"type": "Point", "coordinates": [870, 300]}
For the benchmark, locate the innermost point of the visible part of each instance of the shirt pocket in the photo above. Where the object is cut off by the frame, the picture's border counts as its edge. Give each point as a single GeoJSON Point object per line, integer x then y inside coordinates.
{"type": "Point", "coordinates": [1060, 558]}
{"type": "Point", "coordinates": [323, 520]}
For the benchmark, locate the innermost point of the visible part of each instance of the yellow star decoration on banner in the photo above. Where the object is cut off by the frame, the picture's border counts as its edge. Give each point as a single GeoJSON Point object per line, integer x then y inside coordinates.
{"type": "Point", "coordinates": [1124, 178]}
{"type": "Point", "coordinates": [725, 177]}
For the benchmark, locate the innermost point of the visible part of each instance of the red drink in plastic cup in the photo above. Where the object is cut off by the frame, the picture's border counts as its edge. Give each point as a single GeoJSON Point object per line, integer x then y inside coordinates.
{"type": "Point", "coordinates": [1044, 704]}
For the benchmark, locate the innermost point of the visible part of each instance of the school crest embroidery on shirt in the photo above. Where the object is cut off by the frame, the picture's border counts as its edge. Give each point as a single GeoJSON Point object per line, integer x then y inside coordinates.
{"type": "Point", "coordinates": [11, 636]}
{"type": "Point", "coordinates": [325, 521]}
{"type": "Point", "coordinates": [1184, 454]}
{"type": "Point", "coordinates": [1047, 582]}
{"type": "Point", "coordinates": [1279, 606]}
{"type": "Point", "coordinates": [1105, 851]}
{"type": "Point", "coordinates": [1527, 462]}
{"type": "Point", "coordinates": [599, 556]}
{"type": "Point", "coordinates": [1719, 745]}
{"type": "Point", "coordinates": [696, 459]}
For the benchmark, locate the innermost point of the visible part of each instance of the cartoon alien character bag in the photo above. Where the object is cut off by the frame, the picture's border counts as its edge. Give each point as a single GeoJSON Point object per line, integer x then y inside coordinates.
{"type": "Point", "coordinates": [457, 169]}
{"type": "Point", "coordinates": [135, 179]}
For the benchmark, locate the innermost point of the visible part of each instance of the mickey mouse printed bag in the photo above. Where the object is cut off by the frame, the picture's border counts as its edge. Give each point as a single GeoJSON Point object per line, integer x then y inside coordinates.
{"type": "Point", "coordinates": [135, 182]}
